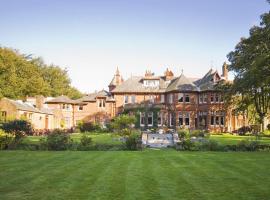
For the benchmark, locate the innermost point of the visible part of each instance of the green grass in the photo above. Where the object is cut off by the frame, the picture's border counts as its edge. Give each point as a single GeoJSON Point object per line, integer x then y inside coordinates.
{"type": "Point", "coordinates": [228, 139]}
{"type": "Point", "coordinates": [150, 174]}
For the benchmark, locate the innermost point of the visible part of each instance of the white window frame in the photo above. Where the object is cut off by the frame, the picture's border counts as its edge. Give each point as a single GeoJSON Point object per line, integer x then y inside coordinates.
{"type": "Point", "coordinates": [170, 118]}
{"type": "Point", "coordinates": [162, 98]}
{"type": "Point", "coordinates": [205, 98]}
{"type": "Point", "coordinates": [151, 99]}
{"type": "Point", "coordinates": [150, 114]}
{"type": "Point", "coordinates": [217, 98]}
{"type": "Point", "coordinates": [126, 99]}
{"type": "Point", "coordinates": [133, 99]}
{"type": "Point", "coordinates": [180, 115]}
{"type": "Point", "coordinates": [201, 99]}
{"type": "Point", "coordinates": [170, 98]}
{"type": "Point", "coordinates": [180, 95]}
{"type": "Point", "coordinates": [159, 115]}
{"type": "Point", "coordinates": [142, 114]}
{"type": "Point", "coordinates": [187, 116]}
{"type": "Point", "coordinates": [185, 96]}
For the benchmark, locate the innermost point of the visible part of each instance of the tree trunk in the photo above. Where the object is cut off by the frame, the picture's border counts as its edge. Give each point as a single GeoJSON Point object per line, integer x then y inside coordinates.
{"type": "Point", "coordinates": [262, 124]}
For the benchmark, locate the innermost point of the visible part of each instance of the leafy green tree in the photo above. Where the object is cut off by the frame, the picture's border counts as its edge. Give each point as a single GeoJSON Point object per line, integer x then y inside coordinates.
{"type": "Point", "coordinates": [18, 77]}
{"type": "Point", "coordinates": [123, 124]}
{"type": "Point", "coordinates": [250, 62]}
{"type": "Point", "coordinates": [21, 75]}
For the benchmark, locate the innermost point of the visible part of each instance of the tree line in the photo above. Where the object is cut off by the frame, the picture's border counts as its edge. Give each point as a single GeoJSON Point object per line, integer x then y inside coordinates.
{"type": "Point", "coordinates": [22, 75]}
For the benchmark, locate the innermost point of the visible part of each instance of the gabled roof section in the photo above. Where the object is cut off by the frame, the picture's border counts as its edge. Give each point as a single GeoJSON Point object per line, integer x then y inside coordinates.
{"type": "Point", "coordinates": [210, 79]}
{"type": "Point", "coordinates": [181, 83]}
{"type": "Point", "coordinates": [93, 96]}
{"type": "Point", "coordinates": [135, 85]}
{"type": "Point", "coordinates": [25, 106]}
{"type": "Point", "coordinates": [20, 105]}
{"type": "Point", "coordinates": [61, 99]}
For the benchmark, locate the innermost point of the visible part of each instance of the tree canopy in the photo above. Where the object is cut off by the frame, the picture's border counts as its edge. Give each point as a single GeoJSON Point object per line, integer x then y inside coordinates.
{"type": "Point", "coordinates": [21, 75]}
{"type": "Point", "coordinates": [250, 62]}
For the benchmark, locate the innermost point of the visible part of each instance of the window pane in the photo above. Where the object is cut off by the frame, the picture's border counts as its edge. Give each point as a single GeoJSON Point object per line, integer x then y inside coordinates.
{"type": "Point", "coordinates": [212, 98]}
{"type": "Point", "coordinates": [217, 97]}
{"type": "Point", "coordinates": [205, 98]}
{"type": "Point", "coordinates": [187, 121]}
{"type": "Point", "coordinates": [162, 98]}
{"type": "Point", "coordinates": [180, 97]}
{"type": "Point", "coordinates": [222, 120]}
{"type": "Point", "coordinates": [200, 98]}
{"type": "Point", "coordinates": [142, 119]}
{"type": "Point", "coordinates": [180, 121]}
{"type": "Point", "coordinates": [217, 120]}
{"type": "Point", "coordinates": [133, 99]}
{"type": "Point", "coordinates": [212, 120]}
{"type": "Point", "coordinates": [126, 99]}
{"type": "Point", "coordinates": [187, 98]}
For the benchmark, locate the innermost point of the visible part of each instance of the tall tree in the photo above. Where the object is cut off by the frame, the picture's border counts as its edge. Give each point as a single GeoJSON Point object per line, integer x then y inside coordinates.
{"type": "Point", "coordinates": [250, 62]}
{"type": "Point", "coordinates": [21, 75]}
{"type": "Point", "coordinates": [18, 77]}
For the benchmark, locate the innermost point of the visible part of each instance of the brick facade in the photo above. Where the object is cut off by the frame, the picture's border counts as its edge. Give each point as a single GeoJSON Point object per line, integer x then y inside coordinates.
{"type": "Point", "coordinates": [177, 101]}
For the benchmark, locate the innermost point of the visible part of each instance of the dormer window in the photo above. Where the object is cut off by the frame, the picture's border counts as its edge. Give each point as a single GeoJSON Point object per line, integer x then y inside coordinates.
{"type": "Point", "coordinates": [150, 83]}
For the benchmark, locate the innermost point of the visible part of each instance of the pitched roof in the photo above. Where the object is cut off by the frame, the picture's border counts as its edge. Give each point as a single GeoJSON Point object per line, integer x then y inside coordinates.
{"type": "Point", "coordinates": [25, 106]}
{"type": "Point", "coordinates": [181, 83]}
{"type": "Point", "coordinates": [93, 96]}
{"type": "Point", "coordinates": [61, 99]}
{"type": "Point", "coordinates": [208, 82]}
{"type": "Point", "coordinates": [135, 85]}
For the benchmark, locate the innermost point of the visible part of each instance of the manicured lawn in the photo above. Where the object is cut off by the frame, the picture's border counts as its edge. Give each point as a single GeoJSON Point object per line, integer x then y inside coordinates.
{"type": "Point", "coordinates": [228, 139]}
{"type": "Point", "coordinates": [150, 174]}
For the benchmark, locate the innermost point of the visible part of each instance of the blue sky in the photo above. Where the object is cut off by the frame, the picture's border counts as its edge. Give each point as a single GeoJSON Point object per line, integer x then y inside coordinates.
{"type": "Point", "coordinates": [92, 38]}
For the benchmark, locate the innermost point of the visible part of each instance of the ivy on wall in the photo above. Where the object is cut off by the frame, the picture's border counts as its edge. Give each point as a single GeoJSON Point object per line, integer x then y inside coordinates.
{"type": "Point", "coordinates": [136, 111]}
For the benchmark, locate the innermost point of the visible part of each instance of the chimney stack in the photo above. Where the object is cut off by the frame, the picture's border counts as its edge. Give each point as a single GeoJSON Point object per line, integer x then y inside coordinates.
{"type": "Point", "coordinates": [39, 101]}
{"type": "Point", "coordinates": [225, 71]}
{"type": "Point", "coordinates": [168, 75]}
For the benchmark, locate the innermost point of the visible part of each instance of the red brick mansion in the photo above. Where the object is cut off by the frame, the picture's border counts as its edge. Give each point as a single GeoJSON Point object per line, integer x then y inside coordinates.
{"type": "Point", "coordinates": [157, 101]}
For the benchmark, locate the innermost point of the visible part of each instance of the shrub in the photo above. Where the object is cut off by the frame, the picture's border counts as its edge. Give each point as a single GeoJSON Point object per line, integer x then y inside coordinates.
{"type": "Point", "coordinates": [85, 143]}
{"type": "Point", "coordinates": [209, 145]}
{"type": "Point", "coordinates": [5, 140]}
{"type": "Point", "coordinates": [58, 140]}
{"type": "Point", "coordinates": [199, 133]}
{"type": "Point", "coordinates": [19, 128]}
{"type": "Point", "coordinates": [247, 145]}
{"type": "Point", "coordinates": [243, 130]}
{"type": "Point", "coordinates": [123, 124]}
{"type": "Point", "coordinates": [268, 127]}
{"type": "Point", "coordinates": [133, 142]}
{"type": "Point", "coordinates": [182, 133]}
{"type": "Point", "coordinates": [186, 145]}
{"type": "Point", "coordinates": [89, 127]}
